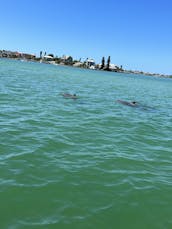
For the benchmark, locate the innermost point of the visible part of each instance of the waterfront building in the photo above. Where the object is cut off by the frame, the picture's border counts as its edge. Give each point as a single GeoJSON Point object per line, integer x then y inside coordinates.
{"type": "Point", "coordinates": [90, 62]}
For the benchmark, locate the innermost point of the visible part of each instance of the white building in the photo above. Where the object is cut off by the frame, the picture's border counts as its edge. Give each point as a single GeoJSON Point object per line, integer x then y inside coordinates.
{"type": "Point", "coordinates": [67, 59]}
{"type": "Point", "coordinates": [90, 62]}
{"type": "Point", "coordinates": [113, 67]}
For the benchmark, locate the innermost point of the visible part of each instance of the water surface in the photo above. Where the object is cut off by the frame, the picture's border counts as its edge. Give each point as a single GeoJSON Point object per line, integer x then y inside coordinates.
{"type": "Point", "coordinates": [85, 163]}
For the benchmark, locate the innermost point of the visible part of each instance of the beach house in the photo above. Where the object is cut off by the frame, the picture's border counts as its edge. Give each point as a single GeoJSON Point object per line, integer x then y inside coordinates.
{"type": "Point", "coordinates": [68, 60]}
{"type": "Point", "coordinates": [90, 63]}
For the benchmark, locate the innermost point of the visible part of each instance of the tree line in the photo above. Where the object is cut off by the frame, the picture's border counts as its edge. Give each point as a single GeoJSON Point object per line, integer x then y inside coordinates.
{"type": "Point", "coordinates": [107, 66]}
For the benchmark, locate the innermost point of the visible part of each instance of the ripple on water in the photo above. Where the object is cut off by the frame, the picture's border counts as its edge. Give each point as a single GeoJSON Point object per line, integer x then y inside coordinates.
{"type": "Point", "coordinates": [75, 164]}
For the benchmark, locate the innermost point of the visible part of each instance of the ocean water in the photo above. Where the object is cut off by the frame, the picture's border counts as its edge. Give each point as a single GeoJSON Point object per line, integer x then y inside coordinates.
{"type": "Point", "coordinates": [86, 163]}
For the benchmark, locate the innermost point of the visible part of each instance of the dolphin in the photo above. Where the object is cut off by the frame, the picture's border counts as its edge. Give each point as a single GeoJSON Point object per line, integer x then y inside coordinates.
{"type": "Point", "coordinates": [69, 96]}
{"type": "Point", "coordinates": [131, 104]}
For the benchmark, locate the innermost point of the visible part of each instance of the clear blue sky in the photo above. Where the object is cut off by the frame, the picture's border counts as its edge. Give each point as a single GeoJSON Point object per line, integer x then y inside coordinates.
{"type": "Point", "coordinates": [135, 33]}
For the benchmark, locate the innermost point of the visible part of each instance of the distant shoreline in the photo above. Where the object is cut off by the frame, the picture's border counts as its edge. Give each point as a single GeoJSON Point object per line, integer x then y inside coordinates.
{"type": "Point", "coordinates": [69, 62]}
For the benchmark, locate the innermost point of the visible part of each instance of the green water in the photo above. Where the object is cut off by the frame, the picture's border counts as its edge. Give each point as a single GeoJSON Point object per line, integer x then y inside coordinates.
{"type": "Point", "coordinates": [90, 163]}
